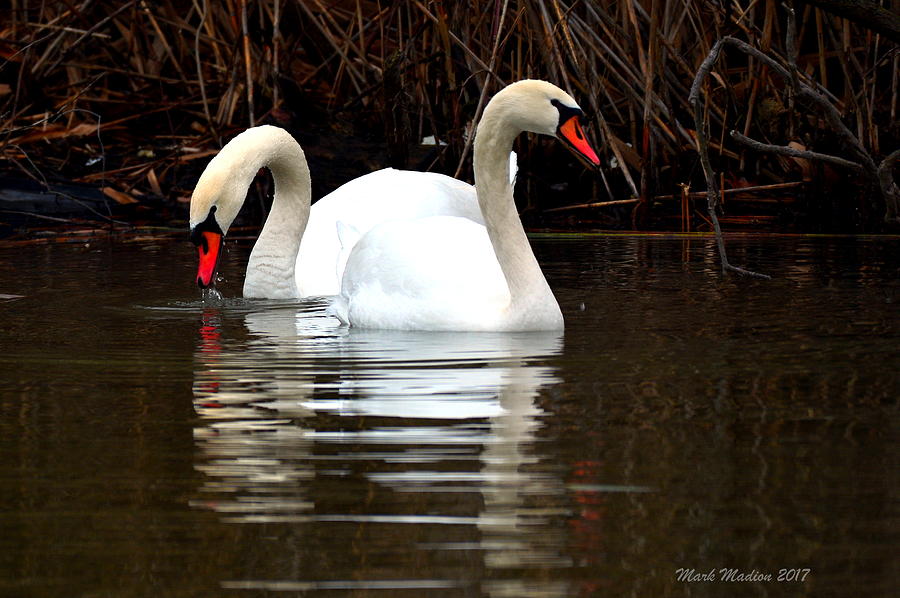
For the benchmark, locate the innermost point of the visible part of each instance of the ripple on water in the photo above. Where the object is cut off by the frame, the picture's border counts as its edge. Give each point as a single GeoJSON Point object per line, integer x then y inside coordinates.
{"type": "Point", "coordinates": [684, 415]}
{"type": "Point", "coordinates": [387, 414]}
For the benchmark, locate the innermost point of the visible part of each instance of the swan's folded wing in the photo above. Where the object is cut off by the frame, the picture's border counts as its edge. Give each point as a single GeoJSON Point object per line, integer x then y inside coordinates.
{"type": "Point", "coordinates": [437, 273]}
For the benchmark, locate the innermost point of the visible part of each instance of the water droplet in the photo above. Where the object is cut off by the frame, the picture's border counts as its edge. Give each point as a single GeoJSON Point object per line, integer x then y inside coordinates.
{"type": "Point", "coordinates": [211, 295]}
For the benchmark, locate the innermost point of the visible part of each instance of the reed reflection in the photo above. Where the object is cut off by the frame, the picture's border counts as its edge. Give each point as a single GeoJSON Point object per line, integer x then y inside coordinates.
{"type": "Point", "coordinates": [441, 425]}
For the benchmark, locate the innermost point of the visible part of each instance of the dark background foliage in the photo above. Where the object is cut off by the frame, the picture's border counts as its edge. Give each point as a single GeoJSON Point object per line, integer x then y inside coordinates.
{"type": "Point", "coordinates": [133, 97]}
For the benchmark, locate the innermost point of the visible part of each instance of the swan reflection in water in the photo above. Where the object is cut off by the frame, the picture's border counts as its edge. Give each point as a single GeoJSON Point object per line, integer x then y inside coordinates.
{"type": "Point", "coordinates": [450, 415]}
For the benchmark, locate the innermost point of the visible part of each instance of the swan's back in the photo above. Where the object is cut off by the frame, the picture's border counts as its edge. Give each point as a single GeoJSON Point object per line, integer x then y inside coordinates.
{"type": "Point", "coordinates": [343, 216]}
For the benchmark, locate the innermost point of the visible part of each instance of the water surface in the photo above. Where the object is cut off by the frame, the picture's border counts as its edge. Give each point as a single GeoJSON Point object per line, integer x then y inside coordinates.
{"type": "Point", "coordinates": [151, 445]}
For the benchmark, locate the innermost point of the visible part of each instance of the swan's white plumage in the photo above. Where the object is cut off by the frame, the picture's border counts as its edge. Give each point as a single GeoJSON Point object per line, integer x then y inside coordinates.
{"type": "Point", "coordinates": [357, 206]}
{"type": "Point", "coordinates": [449, 273]}
{"type": "Point", "coordinates": [335, 222]}
{"type": "Point", "coordinates": [399, 276]}
{"type": "Point", "coordinates": [417, 254]}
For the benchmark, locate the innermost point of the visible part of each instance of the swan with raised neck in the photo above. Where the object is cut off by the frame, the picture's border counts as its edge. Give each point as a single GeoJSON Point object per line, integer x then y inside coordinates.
{"type": "Point", "coordinates": [522, 106]}
{"type": "Point", "coordinates": [392, 284]}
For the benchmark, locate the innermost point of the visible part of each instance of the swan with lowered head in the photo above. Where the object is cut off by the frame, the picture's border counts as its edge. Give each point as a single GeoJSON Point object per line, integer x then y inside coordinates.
{"type": "Point", "coordinates": [429, 267]}
{"type": "Point", "coordinates": [335, 222]}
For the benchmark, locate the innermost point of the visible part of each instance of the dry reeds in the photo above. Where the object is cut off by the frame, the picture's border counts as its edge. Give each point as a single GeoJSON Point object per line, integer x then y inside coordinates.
{"type": "Point", "coordinates": [162, 83]}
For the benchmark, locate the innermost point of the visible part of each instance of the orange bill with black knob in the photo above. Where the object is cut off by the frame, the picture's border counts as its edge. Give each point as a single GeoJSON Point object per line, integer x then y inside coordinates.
{"type": "Point", "coordinates": [209, 249]}
{"type": "Point", "coordinates": [572, 133]}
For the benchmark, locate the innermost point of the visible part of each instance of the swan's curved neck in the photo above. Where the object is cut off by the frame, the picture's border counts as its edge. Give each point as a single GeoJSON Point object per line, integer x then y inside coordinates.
{"type": "Point", "coordinates": [270, 270]}
{"type": "Point", "coordinates": [493, 143]}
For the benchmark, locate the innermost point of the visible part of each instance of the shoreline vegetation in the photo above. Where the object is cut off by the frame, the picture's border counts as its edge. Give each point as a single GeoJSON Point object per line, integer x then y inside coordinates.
{"type": "Point", "coordinates": [110, 109]}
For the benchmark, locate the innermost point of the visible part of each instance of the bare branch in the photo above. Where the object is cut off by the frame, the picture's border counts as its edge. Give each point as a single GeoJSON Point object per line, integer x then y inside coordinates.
{"type": "Point", "coordinates": [810, 91]}
{"type": "Point", "coordinates": [789, 151]}
{"type": "Point", "coordinates": [712, 198]}
{"type": "Point", "coordinates": [866, 13]}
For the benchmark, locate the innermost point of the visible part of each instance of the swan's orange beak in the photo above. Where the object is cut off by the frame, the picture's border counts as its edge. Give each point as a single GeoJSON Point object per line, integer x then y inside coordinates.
{"type": "Point", "coordinates": [209, 245]}
{"type": "Point", "coordinates": [571, 132]}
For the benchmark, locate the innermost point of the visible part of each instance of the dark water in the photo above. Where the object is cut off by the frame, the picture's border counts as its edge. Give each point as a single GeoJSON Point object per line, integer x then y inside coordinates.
{"type": "Point", "coordinates": [153, 446]}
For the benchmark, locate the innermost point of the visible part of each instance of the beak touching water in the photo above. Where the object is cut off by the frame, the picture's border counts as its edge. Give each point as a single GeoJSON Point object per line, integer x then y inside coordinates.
{"type": "Point", "coordinates": [570, 131]}
{"type": "Point", "coordinates": [207, 236]}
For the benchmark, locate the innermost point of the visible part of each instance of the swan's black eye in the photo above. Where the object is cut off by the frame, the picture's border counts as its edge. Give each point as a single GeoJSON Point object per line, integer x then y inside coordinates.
{"type": "Point", "coordinates": [566, 112]}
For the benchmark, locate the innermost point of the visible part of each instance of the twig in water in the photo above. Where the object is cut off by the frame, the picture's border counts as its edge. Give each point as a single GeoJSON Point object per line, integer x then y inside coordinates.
{"type": "Point", "coordinates": [712, 198]}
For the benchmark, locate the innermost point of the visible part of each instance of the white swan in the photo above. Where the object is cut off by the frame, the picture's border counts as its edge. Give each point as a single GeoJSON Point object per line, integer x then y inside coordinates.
{"type": "Point", "coordinates": [450, 273]}
{"type": "Point", "coordinates": [335, 222]}
{"type": "Point", "coordinates": [474, 278]}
